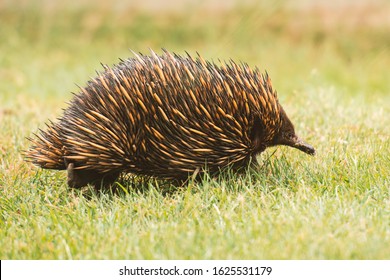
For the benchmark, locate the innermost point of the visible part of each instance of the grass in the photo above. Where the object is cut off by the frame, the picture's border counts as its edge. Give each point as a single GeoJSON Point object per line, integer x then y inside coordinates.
{"type": "Point", "coordinates": [332, 77]}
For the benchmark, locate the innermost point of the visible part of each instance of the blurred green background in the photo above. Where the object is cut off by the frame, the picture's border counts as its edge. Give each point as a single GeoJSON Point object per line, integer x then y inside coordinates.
{"type": "Point", "coordinates": [328, 60]}
{"type": "Point", "coordinates": [322, 42]}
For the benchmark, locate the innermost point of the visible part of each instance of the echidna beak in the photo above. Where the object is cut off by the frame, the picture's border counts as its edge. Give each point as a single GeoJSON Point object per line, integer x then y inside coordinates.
{"type": "Point", "coordinates": [304, 147]}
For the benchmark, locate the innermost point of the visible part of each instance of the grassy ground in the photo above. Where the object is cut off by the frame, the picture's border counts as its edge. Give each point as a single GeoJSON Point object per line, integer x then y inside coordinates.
{"type": "Point", "coordinates": [330, 64]}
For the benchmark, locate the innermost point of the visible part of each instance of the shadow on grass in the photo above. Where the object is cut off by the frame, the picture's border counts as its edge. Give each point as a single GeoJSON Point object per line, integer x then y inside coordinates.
{"type": "Point", "coordinates": [268, 175]}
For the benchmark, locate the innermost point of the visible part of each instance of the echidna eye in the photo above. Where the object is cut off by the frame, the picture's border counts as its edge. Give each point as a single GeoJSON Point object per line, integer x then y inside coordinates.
{"type": "Point", "coordinates": [289, 135]}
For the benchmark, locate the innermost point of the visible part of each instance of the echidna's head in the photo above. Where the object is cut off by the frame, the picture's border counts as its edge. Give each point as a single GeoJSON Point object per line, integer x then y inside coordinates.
{"type": "Point", "coordinates": [286, 136]}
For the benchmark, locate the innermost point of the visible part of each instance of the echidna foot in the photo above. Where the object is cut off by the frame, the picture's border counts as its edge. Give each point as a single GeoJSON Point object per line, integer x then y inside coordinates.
{"type": "Point", "coordinates": [80, 178]}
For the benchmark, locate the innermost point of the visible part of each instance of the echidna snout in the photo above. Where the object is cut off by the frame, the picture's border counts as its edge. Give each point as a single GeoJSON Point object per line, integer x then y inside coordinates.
{"type": "Point", "coordinates": [292, 140]}
{"type": "Point", "coordinates": [164, 116]}
{"type": "Point", "coordinates": [287, 136]}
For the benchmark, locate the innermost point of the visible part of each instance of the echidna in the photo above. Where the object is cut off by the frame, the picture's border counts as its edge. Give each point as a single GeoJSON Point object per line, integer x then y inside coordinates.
{"type": "Point", "coordinates": [165, 116]}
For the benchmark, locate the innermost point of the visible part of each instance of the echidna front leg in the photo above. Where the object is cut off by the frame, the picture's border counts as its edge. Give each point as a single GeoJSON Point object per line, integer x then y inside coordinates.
{"type": "Point", "coordinates": [80, 178]}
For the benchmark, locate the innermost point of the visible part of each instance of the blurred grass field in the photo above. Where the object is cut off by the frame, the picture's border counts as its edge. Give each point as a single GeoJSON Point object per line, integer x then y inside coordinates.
{"type": "Point", "coordinates": [329, 62]}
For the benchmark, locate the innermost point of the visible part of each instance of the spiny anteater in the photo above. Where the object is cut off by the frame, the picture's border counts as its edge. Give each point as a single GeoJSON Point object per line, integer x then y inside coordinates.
{"type": "Point", "coordinates": [165, 116]}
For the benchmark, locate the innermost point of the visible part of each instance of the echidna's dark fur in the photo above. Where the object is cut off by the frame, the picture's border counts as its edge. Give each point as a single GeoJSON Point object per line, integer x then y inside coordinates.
{"type": "Point", "coordinates": [165, 116]}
